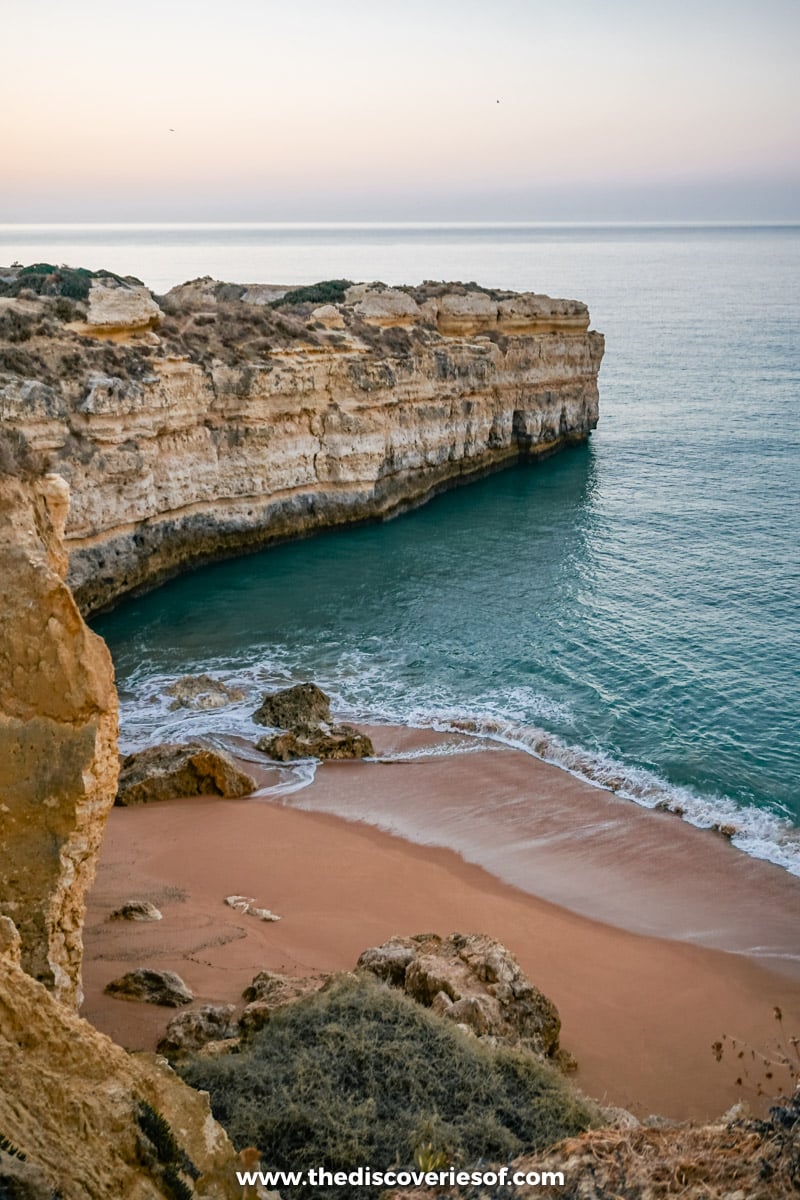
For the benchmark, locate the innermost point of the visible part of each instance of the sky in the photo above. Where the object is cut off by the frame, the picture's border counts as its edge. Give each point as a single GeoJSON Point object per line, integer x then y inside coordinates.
{"type": "Point", "coordinates": [518, 110]}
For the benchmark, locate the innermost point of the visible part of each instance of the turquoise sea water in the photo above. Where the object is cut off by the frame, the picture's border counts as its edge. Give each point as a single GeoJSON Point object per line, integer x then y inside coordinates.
{"type": "Point", "coordinates": [628, 609]}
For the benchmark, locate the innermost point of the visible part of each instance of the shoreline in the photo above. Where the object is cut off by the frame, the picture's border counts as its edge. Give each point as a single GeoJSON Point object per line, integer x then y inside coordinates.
{"type": "Point", "coordinates": [640, 1011]}
{"type": "Point", "coordinates": [541, 827]}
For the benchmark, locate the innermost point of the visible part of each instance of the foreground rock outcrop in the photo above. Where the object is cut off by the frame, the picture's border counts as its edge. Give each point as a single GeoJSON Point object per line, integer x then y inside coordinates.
{"type": "Point", "coordinates": [473, 980]}
{"type": "Point", "coordinates": [242, 415]}
{"type": "Point", "coordinates": [75, 1106]}
{"type": "Point", "coordinates": [735, 1158]}
{"type": "Point", "coordinates": [58, 728]}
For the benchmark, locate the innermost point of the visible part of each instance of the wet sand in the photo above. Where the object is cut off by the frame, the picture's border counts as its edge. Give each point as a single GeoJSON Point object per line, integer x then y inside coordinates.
{"type": "Point", "coordinates": [639, 1012]}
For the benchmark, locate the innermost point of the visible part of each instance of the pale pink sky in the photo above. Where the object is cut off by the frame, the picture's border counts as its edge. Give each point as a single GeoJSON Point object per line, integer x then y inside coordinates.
{"type": "Point", "coordinates": [362, 109]}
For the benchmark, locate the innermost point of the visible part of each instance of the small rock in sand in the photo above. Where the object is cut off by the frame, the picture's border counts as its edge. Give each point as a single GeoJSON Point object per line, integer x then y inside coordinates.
{"type": "Point", "coordinates": [247, 904]}
{"type": "Point", "coordinates": [136, 910]}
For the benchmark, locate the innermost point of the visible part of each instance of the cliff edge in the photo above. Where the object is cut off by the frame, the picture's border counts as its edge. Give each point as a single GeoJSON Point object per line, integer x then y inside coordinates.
{"type": "Point", "coordinates": [228, 416]}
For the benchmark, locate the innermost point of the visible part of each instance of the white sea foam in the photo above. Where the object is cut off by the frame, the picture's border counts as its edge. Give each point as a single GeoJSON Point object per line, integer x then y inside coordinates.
{"type": "Point", "coordinates": [360, 691]}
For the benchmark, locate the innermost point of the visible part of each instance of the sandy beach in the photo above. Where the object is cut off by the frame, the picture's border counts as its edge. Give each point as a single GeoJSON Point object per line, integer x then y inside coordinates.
{"type": "Point", "coordinates": [639, 1012]}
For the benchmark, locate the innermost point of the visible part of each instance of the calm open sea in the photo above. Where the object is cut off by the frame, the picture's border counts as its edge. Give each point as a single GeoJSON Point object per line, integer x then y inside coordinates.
{"type": "Point", "coordinates": [628, 609]}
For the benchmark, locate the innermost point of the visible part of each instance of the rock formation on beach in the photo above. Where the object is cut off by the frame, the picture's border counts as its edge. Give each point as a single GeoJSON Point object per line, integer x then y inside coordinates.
{"type": "Point", "coordinates": [473, 980]}
{"type": "Point", "coordinates": [227, 416]}
{"type": "Point", "coordinates": [167, 771]}
{"type": "Point", "coordinates": [303, 714]}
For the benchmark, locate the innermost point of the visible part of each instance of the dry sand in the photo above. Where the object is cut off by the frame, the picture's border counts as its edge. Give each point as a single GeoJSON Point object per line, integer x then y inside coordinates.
{"type": "Point", "coordinates": [640, 1012]}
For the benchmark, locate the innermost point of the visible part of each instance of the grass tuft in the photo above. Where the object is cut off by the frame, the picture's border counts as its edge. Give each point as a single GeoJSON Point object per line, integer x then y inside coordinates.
{"type": "Point", "coordinates": [359, 1074]}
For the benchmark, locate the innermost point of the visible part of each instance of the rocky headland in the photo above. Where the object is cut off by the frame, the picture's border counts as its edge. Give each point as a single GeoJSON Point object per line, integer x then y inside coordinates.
{"type": "Point", "coordinates": [223, 416]}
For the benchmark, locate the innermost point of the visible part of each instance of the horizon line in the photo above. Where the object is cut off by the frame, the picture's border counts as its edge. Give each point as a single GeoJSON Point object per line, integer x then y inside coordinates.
{"type": "Point", "coordinates": [730, 223]}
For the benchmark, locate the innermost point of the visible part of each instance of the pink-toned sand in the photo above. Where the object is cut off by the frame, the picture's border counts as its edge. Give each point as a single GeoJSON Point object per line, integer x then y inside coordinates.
{"type": "Point", "coordinates": [640, 1012]}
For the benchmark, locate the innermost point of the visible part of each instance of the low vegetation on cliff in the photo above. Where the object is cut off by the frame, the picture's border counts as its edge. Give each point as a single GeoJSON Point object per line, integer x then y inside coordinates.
{"type": "Point", "coordinates": [359, 1074]}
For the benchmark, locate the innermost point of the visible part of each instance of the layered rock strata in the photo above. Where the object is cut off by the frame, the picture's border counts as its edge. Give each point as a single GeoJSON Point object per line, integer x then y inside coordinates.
{"type": "Point", "coordinates": [233, 424]}
{"type": "Point", "coordinates": [77, 1113]}
{"type": "Point", "coordinates": [58, 729]}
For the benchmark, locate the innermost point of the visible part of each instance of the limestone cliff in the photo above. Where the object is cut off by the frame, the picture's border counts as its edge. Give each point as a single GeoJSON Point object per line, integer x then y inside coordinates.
{"type": "Point", "coordinates": [246, 415]}
{"type": "Point", "coordinates": [58, 727]}
{"type": "Point", "coordinates": [77, 1113]}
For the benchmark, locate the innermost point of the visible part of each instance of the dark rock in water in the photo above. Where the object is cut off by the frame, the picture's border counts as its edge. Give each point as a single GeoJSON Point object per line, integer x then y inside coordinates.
{"type": "Point", "coordinates": [151, 987]}
{"type": "Point", "coordinates": [166, 771]}
{"type": "Point", "coordinates": [472, 980]}
{"type": "Point", "coordinates": [300, 707]}
{"type": "Point", "coordinates": [191, 1030]}
{"type": "Point", "coordinates": [136, 910]}
{"type": "Point", "coordinates": [305, 712]}
{"type": "Point", "coordinates": [326, 741]}
{"type": "Point", "coordinates": [201, 691]}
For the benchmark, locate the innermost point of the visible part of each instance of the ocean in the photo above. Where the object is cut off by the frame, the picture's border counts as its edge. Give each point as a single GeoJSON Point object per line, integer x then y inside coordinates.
{"type": "Point", "coordinates": [627, 609]}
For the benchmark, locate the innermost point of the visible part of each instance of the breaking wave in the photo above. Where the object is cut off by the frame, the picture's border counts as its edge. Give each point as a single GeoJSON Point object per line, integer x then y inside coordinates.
{"type": "Point", "coordinates": [360, 692]}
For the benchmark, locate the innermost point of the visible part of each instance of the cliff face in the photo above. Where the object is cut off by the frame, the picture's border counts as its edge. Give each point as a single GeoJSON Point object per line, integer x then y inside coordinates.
{"type": "Point", "coordinates": [71, 1102]}
{"type": "Point", "coordinates": [58, 727]}
{"type": "Point", "coordinates": [239, 424]}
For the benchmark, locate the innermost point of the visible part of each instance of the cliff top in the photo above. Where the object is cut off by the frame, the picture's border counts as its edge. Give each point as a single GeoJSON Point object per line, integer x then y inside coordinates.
{"type": "Point", "coordinates": [59, 325]}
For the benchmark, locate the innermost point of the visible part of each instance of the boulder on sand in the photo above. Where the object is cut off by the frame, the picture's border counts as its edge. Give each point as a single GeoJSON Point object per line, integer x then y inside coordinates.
{"type": "Point", "coordinates": [188, 1031]}
{"type": "Point", "coordinates": [327, 741]}
{"type": "Point", "coordinates": [151, 987]}
{"type": "Point", "coordinates": [166, 771]}
{"type": "Point", "coordinates": [270, 991]}
{"type": "Point", "coordinates": [136, 910]}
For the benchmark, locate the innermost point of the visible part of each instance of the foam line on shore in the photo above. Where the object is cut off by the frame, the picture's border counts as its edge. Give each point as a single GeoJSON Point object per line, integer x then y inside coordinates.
{"type": "Point", "coordinates": [147, 718]}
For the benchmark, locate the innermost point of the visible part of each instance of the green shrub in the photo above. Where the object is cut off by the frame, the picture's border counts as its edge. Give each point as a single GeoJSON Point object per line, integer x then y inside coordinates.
{"type": "Point", "coordinates": [156, 1128]}
{"type": "Point", "coordinates": [39, 269]}
{"type": "Point", "coordinates": [172, 1160]}
{"type": "Point", "coordinates": [75, 285]}
{"type": "Point", "coordinates": [174, 1186]}
{"type": "Point", "coordinates": [15, 326]}
{"type": "Point", "coordinates": [359, 1074]}
{"type": "Point", "coordinates": [44, 279]}
{"type": "Point", "coordinates": [329, 291]}
{"type": "Point", "coordinates": [9, 1148]}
